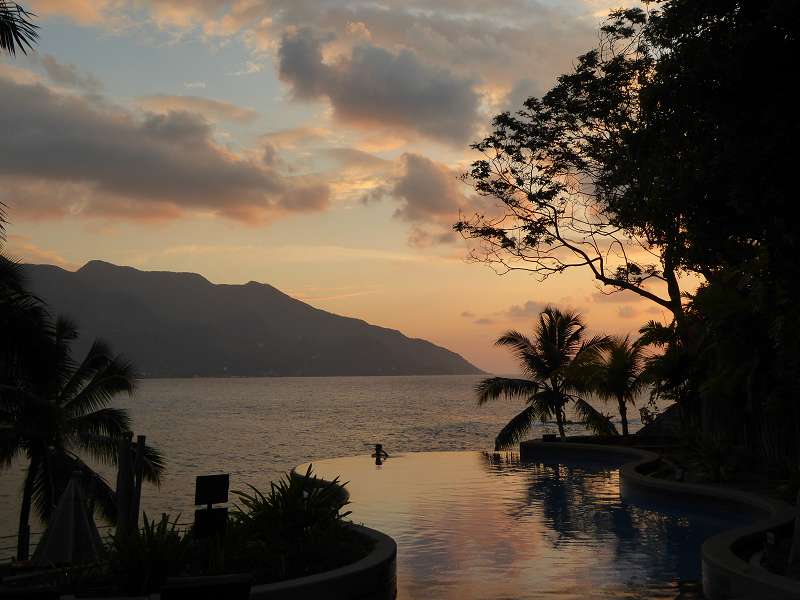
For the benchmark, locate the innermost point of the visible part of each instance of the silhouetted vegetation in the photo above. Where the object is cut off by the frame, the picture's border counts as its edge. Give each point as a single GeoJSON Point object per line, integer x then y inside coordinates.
{"type": "Point", "coordinates": [17, 31]}
{"type": "Point", "coordinates": [295, 529]}
{"type": "Point", "coordinates": [662, 160]}
{"type": "Point", "coordinates": [615, 372]}
{"type": "Point", "coordinates": [53, 409]}
{"type": "Point", "coordinates": [553, 362]}
{"type": "Point", "coordinates": [142, 560]}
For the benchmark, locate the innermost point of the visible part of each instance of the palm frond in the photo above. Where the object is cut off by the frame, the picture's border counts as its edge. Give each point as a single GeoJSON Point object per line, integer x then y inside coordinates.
{"type": "Point", "coordinates": [61, 362]}
{"type": "Point", "coordinates": [596, 344]}
{"type": "Point", "coordinates": [110, 422]}
{"type": "Point", "coordinates": [583, 376]}
{"type": "Point", "coordinates": [558, 337]}
{"type": "Point", "coordinates": [99, 432]}
{"type": "Point", "coordinates": [96, 489]}
{"type": "Point", "coordinates": [10, 446]}
{"type": "Point", "coordinates": [109, 378]}
{"type": "Point", "coordinates": [44, 489]}
{"type": "Point", "coordinates": [95, 360]}
{"type": "Point", "coordinates": [24, 325]}
{"type": "Point", "coordinates": [521, 347]}
{"type": "Point", "coordinates": [12, 277]}
{"type": "Point", "coordinates": [154, 465]}
{"type": "Point", "coordinates": [593, 419]}
{"type": "Point", "coordinates": [545, 402]}
{"type": "Point", "coordinates": [101, 448]}
{"type": "Point", "coordinates": [515, 429]}
{"type": "Point", "coordinates": [497, 387]}
{"type": "Point", "coordinates": [53, 476]}
{"type": "Point", "coordinates": [654, 333]}
{"type": "Point", "coordinates": [17, 31]}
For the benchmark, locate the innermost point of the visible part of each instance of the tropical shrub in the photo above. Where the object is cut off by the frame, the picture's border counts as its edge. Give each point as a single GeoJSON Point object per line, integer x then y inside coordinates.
{"type": "Point", "coordinates": [298, 527]}
{"type": "Point", "coordinates": [712, 457]}
{"type": "Point", "coordinates": [142, 560]}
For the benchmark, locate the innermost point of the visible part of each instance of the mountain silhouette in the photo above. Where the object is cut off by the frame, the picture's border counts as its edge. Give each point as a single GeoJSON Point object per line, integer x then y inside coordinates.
{"type": "Point", "coordinates": [182, 325]}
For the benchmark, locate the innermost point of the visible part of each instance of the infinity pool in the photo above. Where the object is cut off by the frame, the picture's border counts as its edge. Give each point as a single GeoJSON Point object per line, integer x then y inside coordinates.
{"type": "Point", "coordinates": [472, 525]}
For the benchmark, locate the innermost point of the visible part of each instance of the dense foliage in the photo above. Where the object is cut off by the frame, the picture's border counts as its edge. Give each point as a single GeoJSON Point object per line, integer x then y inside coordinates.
{"type": "Point", "coordinates": [295, 529]}
{"type": "Point", "coordinates": [142, 560]}
{"type": "Point", "coordinates": [661, 165]}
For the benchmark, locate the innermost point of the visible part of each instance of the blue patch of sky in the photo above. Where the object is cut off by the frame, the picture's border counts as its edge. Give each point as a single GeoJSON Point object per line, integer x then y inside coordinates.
{"type": "Point", "coordinates": [136, 62]}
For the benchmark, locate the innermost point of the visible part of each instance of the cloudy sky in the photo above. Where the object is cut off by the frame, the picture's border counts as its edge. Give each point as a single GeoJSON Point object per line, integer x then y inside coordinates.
{"type": "Point", "coordinates": [313, 145]}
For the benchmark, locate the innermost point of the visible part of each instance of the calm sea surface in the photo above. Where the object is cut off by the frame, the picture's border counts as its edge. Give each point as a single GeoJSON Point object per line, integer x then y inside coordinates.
{"type": "Point", "coordinates": [256, 429]}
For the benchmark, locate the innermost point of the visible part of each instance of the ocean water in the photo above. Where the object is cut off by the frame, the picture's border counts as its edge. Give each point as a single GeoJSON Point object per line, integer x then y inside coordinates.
{"type": "Point", "coordinates": [258, 428]}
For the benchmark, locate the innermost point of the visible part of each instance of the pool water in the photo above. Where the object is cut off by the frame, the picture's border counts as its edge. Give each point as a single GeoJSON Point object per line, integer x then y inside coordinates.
{"type": "Point", "coordinates": [473, 525]}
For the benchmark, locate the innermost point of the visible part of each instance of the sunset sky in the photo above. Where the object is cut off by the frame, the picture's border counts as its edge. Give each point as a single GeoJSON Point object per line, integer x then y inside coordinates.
{"type": "Point", "coordinates": [314, 146]}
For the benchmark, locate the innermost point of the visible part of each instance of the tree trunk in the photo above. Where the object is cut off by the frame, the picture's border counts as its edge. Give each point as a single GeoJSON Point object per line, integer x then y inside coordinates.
{"type": "Point", "coordinates": [676, 305]}
{"type": "Point", "coordinates": [560, 421]}
{"type": "Point", "coordinates": [24, 532]}
{"type": "Point", "coordinates": [623, 414]}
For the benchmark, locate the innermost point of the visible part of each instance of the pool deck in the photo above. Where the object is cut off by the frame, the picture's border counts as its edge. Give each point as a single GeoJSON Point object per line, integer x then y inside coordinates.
{"type": "Point", "coordinates": [725, 574]}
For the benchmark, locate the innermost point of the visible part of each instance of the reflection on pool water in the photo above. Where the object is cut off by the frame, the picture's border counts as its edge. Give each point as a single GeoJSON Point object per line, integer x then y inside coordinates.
{"type": "Point", "coordinates": [476, 525]}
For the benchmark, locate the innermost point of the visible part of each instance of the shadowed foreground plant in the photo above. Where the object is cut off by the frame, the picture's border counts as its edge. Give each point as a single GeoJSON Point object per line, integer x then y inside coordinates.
{"type": "Point", "coordinates": [142, 560]}
{"type": "Point", "coordinates": [712, 457]}
{"type": "Point", "coordinates": [296, 528]}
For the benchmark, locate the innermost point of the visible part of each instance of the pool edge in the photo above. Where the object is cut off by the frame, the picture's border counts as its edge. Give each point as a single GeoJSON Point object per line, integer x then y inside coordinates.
{"type": "Point", "coordinates": [725, 575]}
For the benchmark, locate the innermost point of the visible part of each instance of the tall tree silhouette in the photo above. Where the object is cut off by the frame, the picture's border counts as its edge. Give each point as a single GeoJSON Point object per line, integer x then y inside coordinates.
{"type": "Point", "coordinates": [552, 171]}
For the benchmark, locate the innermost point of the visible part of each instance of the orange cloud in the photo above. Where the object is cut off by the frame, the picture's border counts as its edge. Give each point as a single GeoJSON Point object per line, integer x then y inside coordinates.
{"type": "Point", "coordinates": [85, 12]}
{"type": "Point", "coordinates": [92, 161]}
{"type": "Point", "coordinates": [22, 248]}
{"type": "Point", "coordinates": [211, 109]}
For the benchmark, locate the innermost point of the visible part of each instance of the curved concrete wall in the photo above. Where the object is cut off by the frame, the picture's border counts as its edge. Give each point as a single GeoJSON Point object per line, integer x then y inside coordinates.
{"type": "Point", "coordinates": [725, 575]}
{"type": "Point", "coordinates": [374, 577]}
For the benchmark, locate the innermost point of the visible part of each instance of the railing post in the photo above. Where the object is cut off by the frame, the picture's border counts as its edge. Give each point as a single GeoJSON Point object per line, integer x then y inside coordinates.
{"type": "Point", "coordinates": [138, 472]}
{"type": "Point", "coordinates": [124, 484]}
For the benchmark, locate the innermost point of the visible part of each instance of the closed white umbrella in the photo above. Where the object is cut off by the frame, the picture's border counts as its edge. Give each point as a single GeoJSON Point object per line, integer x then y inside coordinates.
{"type": "Point", "coordinates": [71, 537]}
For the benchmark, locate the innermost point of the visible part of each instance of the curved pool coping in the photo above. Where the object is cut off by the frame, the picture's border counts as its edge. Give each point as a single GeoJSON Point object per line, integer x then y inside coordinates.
{"type": "Point", "coordinates": [725, 575]}
{"type": "Point", "coordinates": [373, 577]}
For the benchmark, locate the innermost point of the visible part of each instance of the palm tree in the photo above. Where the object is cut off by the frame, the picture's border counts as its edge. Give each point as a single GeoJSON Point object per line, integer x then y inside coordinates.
{"type": "Point", "coordinates": [22, 317]}
{"type": "Point", "coordinates": [52, 409]}
{"type": "Point", "coordinates": [551, 363]}
{"type": "Point", "coordinates": [615, 373]}
{"type": "Point", "coordinates": [17, 32]}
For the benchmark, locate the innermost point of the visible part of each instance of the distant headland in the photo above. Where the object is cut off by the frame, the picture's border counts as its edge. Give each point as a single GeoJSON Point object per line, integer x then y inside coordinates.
{"type": "Point", "coordinates": [182, 325]}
